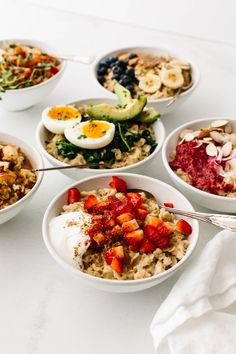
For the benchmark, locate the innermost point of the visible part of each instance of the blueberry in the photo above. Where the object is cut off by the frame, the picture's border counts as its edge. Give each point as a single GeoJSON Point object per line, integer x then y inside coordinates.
{"type": "Point", "coordinates": [101, 79]}
{"type": "Point", "coordinates": [105, 62]}
{"type": "Point", "coordinates": [129, 72]}
{"type": "Point", "coordinates": [102, 70]}
{"type": "Point", "coordinates": [116, 77]}
{"type": "Point", "coordinates": [117, 70]}
{"type": "Point", "coordinates": [122, 63]}
{"type": "Point", "coordinates": [125, 81]}
{"type": "Point", "coordinates": [113, 60]}
{"type": "Point", "coordinates": [132, 56]}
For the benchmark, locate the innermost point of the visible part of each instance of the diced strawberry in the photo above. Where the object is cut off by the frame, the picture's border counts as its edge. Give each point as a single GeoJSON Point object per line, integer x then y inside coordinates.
{"type": "Point", "coordinates": [154, 221]}
{"type": "Point", "coordinates": [135, 199]}
{"type": "Point", "coordinates": [100, 207]}
{"type": "Point", "coordinates": [119, 252]}
{"type": "Point", "coordinates": [73, 195]}
{"type": "Point", "coordinates": [141, 213]}
{"type": "Point", "coordinates": [130, 225]}
{"type": "Point", "coordinates": [94, 229]}
{"type": "Point", "coordinates": [100, 238]}
{"type": "Point", "coordinates": [121, 206]}
{"type": "Point", "coordinates": [153, 235]}
{"type": "Point", "coordinates": [183, 227]}
{"type": "Point", "coordinates": [118, 184]}
{"type": "Point", "coordinates": [117, 265]}
{"type": "Point", "coordinates": [109, 220]}
{"type": "Point", "coordinates": [109, 255]}
{"type": "Point", "coordinates": [169, 205]}
{"type": "Point", "coordinates": [147, 246]}
{"type": "Point", "coordinates": [134, 237]}
{"type": "Point", "coordinates": [164, 229]}
{"type": "Point", "coordinates": [124, 218]}
{"type": "Point", "coordinates": [90, 201]}
{"type": "Point", "coordinates": [116, 231]}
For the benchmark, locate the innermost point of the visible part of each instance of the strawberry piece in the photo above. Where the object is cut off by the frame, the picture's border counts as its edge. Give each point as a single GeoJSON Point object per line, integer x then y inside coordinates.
{"type": "Point", "coordinates": [147, 246]}
{"type": "Point", "coordinates": [183, 227]}
{"type": "Point", "coordinates": [119, 252]}
{"type": "Point", "coordinates": [161, 241]}
{"type": "Point", "coordinates": [129, 226]}
{"type": "Point", "coordinates": [99, 207]}
{"type": "Point", "coordinates": [100, 238]}
{"type": "Point", "coordinates": [154, 221]}
{"type": "Point", "coordinates": [169, 205]}
{"type": "Point", "coordinates": [90, 202]}
{"type": "Point", "coordinates": [109, 255]}
{"type": "Point", "coordinates": [135, 199]}
{"type": "Point", "coordinates": [73, 195]}
{"type": "Point", "coordinates": [109, 219]}
{"type": "Point", "coordinates": [120, 206]}
{"type": "Point", "coordinates": [124, 218]}
{"type": "Point", "coordinates": [118, 184]}
{"type": "Point", "coordinates": [116, 231]}
{"type": "Point", "coordinates": [134, 237]}
{"type": "Point", "coordinates": [117, 265]}
{"type": "Point", "coordinates": [141, 213]}
{"type": "Point", "coordinates": [164, 229]}
{"type": "Point", "coordinates": [94, 229]}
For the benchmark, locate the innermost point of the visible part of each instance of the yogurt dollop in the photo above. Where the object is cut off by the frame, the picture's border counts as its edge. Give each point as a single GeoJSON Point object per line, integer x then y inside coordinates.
{"type": "Point", "coordinates": [69, 237]}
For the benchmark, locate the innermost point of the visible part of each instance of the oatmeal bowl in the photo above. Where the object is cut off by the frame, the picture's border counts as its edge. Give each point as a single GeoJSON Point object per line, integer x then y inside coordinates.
{"type": "Point", "coordinates": [101, 134]}
{"type": "Point", "coordinates": [18, 181]}
{"type": "Point", "coordinates": [28, 72]}
{"type": "Point", "coordinates": [109, 231]}
{"type": "Point", "coordinates": [167, 79]}
{"type": "Point", "coordinates": [200, 158]}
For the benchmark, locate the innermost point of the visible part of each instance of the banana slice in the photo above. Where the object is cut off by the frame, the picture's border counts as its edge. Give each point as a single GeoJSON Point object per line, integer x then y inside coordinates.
{"type": "Point", "coordinates": [172, 78]}
{"type": "Point", "coordinates": [180, 64]}
{"type": "Point", "coordinates": [150, 83]}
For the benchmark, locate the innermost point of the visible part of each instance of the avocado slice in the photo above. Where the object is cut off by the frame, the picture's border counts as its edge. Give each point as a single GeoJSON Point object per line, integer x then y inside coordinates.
{"type": "Point", "coordinates": [148, 115]}
{"type": "Point", "coordinates": [123, 95]}
{"type": "Point", "coordinates": [106, 111]}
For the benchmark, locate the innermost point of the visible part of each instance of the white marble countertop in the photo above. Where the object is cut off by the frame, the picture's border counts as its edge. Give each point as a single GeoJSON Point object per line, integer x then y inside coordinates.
{"type": "Point", "coordinates": [43, 309]}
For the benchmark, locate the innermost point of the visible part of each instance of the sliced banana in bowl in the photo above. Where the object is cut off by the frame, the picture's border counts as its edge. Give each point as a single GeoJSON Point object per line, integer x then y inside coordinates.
{"type": "Point", "coordinates": [150, 83]}
{"type": "Point", "coordinates": [172, 78]}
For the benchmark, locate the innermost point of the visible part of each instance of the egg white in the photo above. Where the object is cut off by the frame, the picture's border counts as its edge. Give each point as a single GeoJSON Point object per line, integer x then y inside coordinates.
{"type": "Point", "coordinates": [57, 126]}
{"type": "Point", "coordinates": [72, 134]}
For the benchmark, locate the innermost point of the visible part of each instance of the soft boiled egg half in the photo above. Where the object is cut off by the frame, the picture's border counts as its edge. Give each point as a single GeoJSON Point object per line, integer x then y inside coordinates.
{"type": "Point", "coordinates": [92, 134]}
{"type": "Point", "coordinates": [57, 119]}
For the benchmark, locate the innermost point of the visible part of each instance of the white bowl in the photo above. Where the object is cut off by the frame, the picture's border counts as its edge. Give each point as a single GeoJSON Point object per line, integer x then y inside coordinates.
{"type": "Point", "coordinates": [20, 99]}
{"type": "Point", "coordinates": [161, 105]}
{"type": "Point", "coordinates": [205, 199]}
{"type": "Point", "coordinates": [42, 135]}
{"type": "Point", "coordinates": [160, 190]}
{"type": "Point", "coordinates": [36, 162]}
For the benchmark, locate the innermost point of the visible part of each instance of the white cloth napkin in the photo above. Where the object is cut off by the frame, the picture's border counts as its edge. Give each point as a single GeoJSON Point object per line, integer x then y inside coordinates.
{"type": "Point", "coordinates": [193, 319]}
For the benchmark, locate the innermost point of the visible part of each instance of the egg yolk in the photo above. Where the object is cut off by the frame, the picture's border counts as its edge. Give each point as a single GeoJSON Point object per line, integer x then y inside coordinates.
{"type": "Point", "coordinates": [63, 113]}
{"type": "Point", "coordinates": [95, 129]}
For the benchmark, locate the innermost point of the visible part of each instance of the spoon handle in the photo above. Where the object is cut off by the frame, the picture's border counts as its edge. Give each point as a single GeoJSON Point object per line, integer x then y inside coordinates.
{"type": "Point", "coordinates": [224, 221]}
{"type": "Point", "coordinates": [77, 58]}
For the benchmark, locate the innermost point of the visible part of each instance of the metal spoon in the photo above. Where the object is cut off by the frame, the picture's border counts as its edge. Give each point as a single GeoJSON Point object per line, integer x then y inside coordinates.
{"type": "Point", "coordinates": [178, 92]}
{"type": "Point", "coordinates": [77, 58]}
{"type": "Point", "coordinates": [86, 165]}
{"type": "Point", "coordinates": [224, 221]}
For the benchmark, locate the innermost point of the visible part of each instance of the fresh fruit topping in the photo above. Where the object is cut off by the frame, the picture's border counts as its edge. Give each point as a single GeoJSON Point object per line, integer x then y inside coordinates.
{"type": "Point", "coordinates": [141, 213]}
{"type": "Point", "coordinates": [100, 207]}
{"type": "Point", "coordinates": [119, 252]}
{"type": "Point", "coordinates": [124, 218]}
{"type": "Point", "coordinates": [134, 237]}
{"type": "Point", "coordinates": [135, 199]}
{"type": "Point", "coordinates": [129, 226]}
{"type": "Point", "coordinates": [147, 246]}
{"type": "Point", "coordinates": [120, 206]}
{"type": "Point", "coordinates": [116, 231]}
{"type": "Point", "coordinates": [109, 255]}
{"type": "Point", "coordinates": [150, 83]}
{"type": "Point", "coordinates": [73, 195]}
{"type": "Point", "coordinates": [100, 238]}
{"type": "Point", "coordinates": [183, 227]}
{"type": "Point", "coordinates": [154, 221]}
{"type": "Point", "coordinates": [117, 265]}
{"type": "Point", "coordinates": [172, 78]}
{"type": "Point", "coordinates": [118, 184]}
{"type": "Point", "coordinates": [152, 234]}
{"type": "Point", "coordinates": [90, 202]}
{"type": "Point", "coordinates": [169, 205]}
{"type": "Point", "coordinates": [164, 229]}
{"type": "Point", "coordinates": [109, 220]}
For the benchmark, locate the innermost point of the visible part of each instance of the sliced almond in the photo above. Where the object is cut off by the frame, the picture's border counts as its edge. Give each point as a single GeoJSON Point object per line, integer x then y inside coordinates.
{"type": "Point", "coordinates": [219, 154]}
{"type": "Point", "coordinates": [227, 148]}
{"type": "Point", "coordinates": [184, 132]}
{"type": "Point", "coordinates": [216, 136]}
{"type": "Point", "coordinates": [208, 138]}
{"type": "Point", "coordinates": [219, 123]}
{"type": "Point", "coordinates": [189, 137]}
{"type": "Point", "coordinates": [196, 133]}
{"type": "Point", "coordinates": [233, 138]}
{"type": "Point", "coordinates": [211, 150]}
{"type": "Point", "coordinates": [228, 128]}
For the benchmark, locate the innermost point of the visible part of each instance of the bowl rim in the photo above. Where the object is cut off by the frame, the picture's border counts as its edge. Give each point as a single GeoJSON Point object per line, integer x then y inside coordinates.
{"type": "Point", "coordinates": [86, 276]}
{"type": "Point", "coordinates": [39, 174]}
{"type": "Point", "coordinates": [41, 44]}
{"type": "Point", "coordinates": [173, 174]}
{"type": "Point", "coordinates": [168, 51]}
{"type": "Point", "coordinates": [53, 160]}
